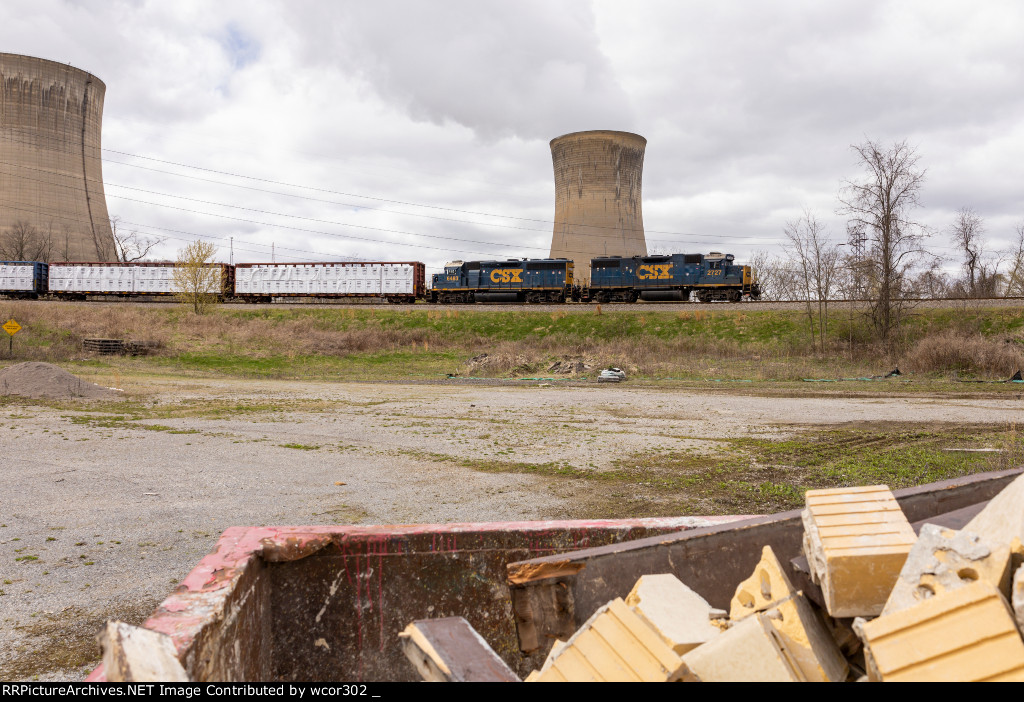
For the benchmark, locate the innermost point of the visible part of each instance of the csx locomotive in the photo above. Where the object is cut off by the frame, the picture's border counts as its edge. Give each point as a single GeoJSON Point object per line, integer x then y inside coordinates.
{"type": "Point", "coordinates": [672, 277]}
{"type": "Point", "coordinates": [514, 280]}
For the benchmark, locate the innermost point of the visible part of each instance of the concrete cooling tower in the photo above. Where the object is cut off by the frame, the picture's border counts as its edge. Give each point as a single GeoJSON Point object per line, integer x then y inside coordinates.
{"type": "Point", "coordinates": [51, 181]}
{"type": "Point", "coordinates": [597, 197]}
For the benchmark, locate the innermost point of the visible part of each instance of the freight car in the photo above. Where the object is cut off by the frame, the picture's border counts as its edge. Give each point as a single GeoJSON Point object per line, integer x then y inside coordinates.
{"type": "Point", "coordinates": [671, 277]}
{"type": "Point", "coordinates": [75, 281]}
{"type": "Point", "coordinates": [512, 280]}
{"type": "Point", "coordinates": [23, 279]}
{"type": "Point", "coordinates": [397, 282]}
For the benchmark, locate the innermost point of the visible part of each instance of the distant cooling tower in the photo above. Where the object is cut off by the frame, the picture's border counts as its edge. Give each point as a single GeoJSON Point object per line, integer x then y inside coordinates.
{"type": "Point", "coordinates": [597, 197]}
{"type": "Point", "coordinates": [51, 181]}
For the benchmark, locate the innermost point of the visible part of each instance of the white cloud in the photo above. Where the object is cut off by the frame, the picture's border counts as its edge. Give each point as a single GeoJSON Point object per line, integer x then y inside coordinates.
{"type": "Point", "coordinates": [749, 110]}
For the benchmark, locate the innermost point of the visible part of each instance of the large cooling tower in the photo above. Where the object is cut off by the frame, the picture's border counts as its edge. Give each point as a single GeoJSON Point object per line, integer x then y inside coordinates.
{"type": "Point", "coordinates": [597, 197]}
{"type": "Point", "coordinates": [50, 170]}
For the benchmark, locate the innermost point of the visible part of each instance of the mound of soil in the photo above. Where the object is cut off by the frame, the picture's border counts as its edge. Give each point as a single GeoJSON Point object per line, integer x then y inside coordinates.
{"type": "Point", "coordinates": [47, 381]}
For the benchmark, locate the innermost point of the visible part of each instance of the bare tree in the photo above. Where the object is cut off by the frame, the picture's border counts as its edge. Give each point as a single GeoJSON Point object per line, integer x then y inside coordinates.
{"type": "Point", "coordinates": [23, 242]}
{"type": "Point", "coordinates": [932, 282]}
{"type": "Point", "coordinates": [102, 245]}
{"type": "Point", "coordinates": [817, 262]}
{"type": "Point", "coordinates": [881, 204]}
{"type": "Point", "coordinates": [967, 230]}
{"type": "Point", "coordinates": [130, 246]}
{"type": "Point", "coordinates": [196, 279]}
{"type": "Point", "coordinates": [1015, 272]}
{"type": "Point", "coordinates": [65, 242]}
{"type": "Point", "coordinates": [772, 275]}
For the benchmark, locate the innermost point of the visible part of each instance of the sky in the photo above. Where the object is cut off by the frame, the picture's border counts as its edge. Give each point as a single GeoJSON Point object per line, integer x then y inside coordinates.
{"type": "Point", "coordinates": [399, 130]}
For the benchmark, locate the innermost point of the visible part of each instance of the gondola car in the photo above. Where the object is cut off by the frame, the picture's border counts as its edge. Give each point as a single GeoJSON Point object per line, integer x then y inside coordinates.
{"type": "Point", "coordinates": [514, 280]}
{"type": "Point", "coordinates": [671, 277]}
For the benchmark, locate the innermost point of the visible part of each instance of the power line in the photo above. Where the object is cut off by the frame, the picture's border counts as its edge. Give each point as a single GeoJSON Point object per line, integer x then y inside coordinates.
{"type": "Point", "coordinates": [375, 198]}
{"type": "Point", "coordinates": [320, 232]}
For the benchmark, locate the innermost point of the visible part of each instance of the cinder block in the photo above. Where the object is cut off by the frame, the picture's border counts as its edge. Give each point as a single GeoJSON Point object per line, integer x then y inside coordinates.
{"type": "Point", "coordinates": [807, 641]}
{"type": "Point", "coordinates": [966, 634]}
{"type": "Point", "coordinates": [857, 540]}
{"type": "Point", "coordinates": [946, 559]}
{"type": "Point", "coordinates": [750, 651]}
{"type": "Point", "coordinates": [680, 616]}
{"type": "Point", "coordinates": [614, 645]}
{"type": "Point", "coordinates": [1002, 520]}
{"type": "Point", "coordinates": [768, 586]}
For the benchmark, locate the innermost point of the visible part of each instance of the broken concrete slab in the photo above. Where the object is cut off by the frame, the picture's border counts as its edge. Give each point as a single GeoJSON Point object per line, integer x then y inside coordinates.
{"type": "Point", "coordinates": [807, 641]}
{"type": "Point", "coordinates": [767, 586]}
{"type": "Point", "coordinates": [856, 541]}
{"type": "Point", "coordinates": [750, 651]}
{"type": "Point", "coordinates": [1002, 520]}
{"type": "Point", "coordinates": [614, 645]}
{"type": "Point", "coordinates": [966, 634]}
{"type": "Point", "coordinates": [681, 617]}
{"type": "Point", "coordinates": [450, 650]}
{"type": "Point", "coordinates": [136, 655]}
{"type": "Point", "coordinates": [943, 560]}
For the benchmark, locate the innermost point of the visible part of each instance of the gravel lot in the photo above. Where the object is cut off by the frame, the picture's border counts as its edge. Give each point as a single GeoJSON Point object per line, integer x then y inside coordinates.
{"type": "Point", "coordinates": [101, 518]}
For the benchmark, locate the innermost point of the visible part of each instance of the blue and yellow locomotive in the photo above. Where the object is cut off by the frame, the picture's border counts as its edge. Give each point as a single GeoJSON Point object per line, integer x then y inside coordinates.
{"type": "Point", "coordinates": [671, 277]}
{"type": "Point", "coordinates": [513, 280]}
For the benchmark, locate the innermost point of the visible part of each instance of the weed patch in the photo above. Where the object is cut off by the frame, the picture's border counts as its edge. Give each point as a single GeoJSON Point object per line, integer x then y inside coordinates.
{"type": "Point", "coordinates": [762, 476]}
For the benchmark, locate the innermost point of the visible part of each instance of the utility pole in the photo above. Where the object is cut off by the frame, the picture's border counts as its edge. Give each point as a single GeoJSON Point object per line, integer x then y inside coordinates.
{"type": "Point", "coordinates": [231, 260]}
{"type": "Point", "coordinates": [272, 259]}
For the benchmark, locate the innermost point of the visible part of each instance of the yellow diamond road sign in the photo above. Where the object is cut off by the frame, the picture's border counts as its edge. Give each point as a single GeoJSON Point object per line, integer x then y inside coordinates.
{"type": "Point", "coordinates": [11, 327]}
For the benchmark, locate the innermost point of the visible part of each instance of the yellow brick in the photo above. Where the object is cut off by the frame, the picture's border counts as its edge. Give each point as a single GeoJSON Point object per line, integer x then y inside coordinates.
{"type": "Point", "coordinates": [768, 585]}
{"type": "Point", "coordinates": [1002, 520]}
{"type": "Point", "coordinates": [614, 645]}
{"type": "Point", "coordinates": [807, 641]}
{"type": "Point", "coordinates": [1018, 597]}
{"type": "Point", "coordinates": [751, 651]}
{"type": "Point", "coordinates": [856, 541]}
{"type": "Point", "coordinates": [946, 559]}
{"type": "Point", "coordinates": [680, 616]}
{"type": "Point", "coordinates": [961, 635]}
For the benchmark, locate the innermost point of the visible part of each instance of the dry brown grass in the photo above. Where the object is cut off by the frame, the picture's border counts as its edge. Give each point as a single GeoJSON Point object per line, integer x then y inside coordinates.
{"type": "Point", "coordinates": [948, 351]}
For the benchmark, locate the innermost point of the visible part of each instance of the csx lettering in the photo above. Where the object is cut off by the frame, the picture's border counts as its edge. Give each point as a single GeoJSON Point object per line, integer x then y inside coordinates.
{"type": "Point", "coordinates": [506, 275]}
{"type": "Point", "coordinates": [654, 272]}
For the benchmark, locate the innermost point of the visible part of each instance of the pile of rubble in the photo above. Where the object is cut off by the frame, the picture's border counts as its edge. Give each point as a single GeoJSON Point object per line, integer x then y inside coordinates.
{"type": "Point", "coordinates": [877, 602]}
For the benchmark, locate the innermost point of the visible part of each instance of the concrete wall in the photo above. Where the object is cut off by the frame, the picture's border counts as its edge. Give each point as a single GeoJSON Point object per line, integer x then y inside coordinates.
{"type": "Point", "coordinates": [598, 210]}
{"type": "Point", "coordinates": [50, 160]}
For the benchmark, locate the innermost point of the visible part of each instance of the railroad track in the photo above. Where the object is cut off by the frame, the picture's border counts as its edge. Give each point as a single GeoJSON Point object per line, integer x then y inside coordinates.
{"type": "Point", "coordinates": [591, 308]}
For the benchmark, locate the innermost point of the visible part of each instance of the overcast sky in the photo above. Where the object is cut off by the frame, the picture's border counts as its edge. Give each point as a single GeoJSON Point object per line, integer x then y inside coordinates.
{"type": "Point", "coordinates": [419, 130]}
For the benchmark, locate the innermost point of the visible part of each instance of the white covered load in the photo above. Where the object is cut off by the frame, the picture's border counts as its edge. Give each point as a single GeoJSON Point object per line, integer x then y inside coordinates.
{"type": "Point", "coordinates": [325, 279]}
{"type": "Point", "coordinates": [17, 277]}
{"type": "Point", "coordinates": [128, 278]}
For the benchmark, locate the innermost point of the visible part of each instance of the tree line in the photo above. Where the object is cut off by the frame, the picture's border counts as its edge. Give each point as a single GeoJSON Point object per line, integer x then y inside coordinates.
{"type": "Point", "coordinates": [26, 242]}
{"type": "Point", "coordinates": [885, 261]}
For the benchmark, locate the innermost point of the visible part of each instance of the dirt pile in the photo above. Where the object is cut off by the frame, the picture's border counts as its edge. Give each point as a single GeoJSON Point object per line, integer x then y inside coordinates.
{"type": "Point", "coordinates": [47, 381]}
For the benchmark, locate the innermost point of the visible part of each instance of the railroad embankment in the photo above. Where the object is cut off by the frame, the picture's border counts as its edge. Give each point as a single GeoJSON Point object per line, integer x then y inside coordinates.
{"type": "Point", "coordinates": [967, 341]}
